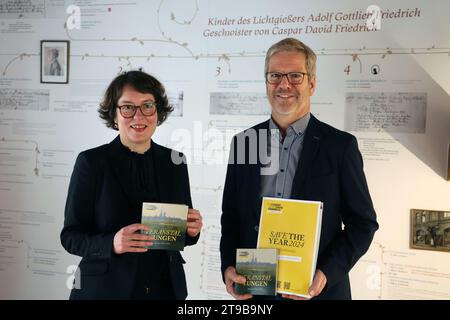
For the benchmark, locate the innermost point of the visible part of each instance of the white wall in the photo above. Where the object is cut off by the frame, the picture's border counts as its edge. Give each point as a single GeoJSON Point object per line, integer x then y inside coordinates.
{"type": "Point", "coordinates": [401, 116]}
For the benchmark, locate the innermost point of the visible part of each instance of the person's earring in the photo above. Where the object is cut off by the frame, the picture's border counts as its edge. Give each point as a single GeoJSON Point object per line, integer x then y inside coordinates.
{"type": "Point", "coordinates": [115, 125]}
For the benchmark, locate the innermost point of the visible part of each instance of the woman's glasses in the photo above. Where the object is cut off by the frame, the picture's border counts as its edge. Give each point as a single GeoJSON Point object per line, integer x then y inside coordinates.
{"type": "Point", "coordinates": [129, 110]}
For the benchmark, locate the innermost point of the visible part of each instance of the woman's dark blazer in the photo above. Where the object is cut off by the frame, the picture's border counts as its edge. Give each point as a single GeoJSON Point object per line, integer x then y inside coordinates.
{"type": "Point", "coordinates": [100, 202]}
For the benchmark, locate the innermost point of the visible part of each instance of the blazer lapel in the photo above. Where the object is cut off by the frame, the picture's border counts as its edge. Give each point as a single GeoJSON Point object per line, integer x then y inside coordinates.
{"type": "Point", "coordinates": [162, 170]}
{"type": "Point", "coordinates": [118, 165]}
{"type": "Point", "coordinates": [255, 171]}
{"type": "Point", "coordinates": [255, 188]}
{"type": "Point", "coordinates": [311, 145]}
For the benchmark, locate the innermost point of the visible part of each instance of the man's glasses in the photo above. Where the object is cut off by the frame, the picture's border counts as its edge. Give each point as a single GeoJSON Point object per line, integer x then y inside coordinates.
{"type": "Point", "coordinates": [294, 78]}
{"type": "Point", "coordinates": [129, 110]}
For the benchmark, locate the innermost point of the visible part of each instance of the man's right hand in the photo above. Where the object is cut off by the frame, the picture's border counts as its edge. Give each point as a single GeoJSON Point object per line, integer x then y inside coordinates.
{"type": "Point", "coordinates": [231, 277]}
{"type": "Point", "coordinates": [127, 240]}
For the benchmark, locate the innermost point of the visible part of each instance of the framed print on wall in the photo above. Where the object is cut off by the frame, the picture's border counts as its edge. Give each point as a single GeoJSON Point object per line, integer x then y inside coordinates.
{"type": "Point", "coordinates": [430, 230]}
{"type": "Point", "coordinates": [55, 61]}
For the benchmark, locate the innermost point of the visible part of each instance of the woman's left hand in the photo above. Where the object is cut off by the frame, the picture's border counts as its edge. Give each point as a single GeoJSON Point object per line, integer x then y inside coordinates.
{"type": "Point", "coordinates": [194, 222]}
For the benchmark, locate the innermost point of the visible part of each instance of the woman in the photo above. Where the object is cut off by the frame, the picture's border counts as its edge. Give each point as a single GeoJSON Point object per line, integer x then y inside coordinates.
{"type": "Point", "coordinates": [104, 203]}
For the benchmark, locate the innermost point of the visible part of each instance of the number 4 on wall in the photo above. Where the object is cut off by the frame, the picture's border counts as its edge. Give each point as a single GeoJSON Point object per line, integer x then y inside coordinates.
{"type": "Point", "coordinates": [347, 70]}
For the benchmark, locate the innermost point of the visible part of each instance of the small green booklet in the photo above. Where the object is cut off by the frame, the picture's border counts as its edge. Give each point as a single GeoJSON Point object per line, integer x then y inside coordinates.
{"type": "Point", "coordinates": [167, 223]}
{"type": "Point", "coordinates": [259, 266]}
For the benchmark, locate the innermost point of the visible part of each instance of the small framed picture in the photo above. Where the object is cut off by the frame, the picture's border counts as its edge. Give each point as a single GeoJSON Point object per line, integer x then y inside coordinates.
{"type": "Point", "coordinates": [55, 61]}
{"type": "Point", "coordinates": [430, 230]}
{"type": "Point", "coordinates": [448, 160]}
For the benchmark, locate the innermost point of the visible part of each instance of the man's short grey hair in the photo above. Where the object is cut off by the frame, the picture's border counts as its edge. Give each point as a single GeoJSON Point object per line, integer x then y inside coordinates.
{"type": "Point", "coordinates": [293, 45]}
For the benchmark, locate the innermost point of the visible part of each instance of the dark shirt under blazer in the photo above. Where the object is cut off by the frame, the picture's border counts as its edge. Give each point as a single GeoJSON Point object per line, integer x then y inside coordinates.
{"type": "Point", "coordinates": [100, 202]}
{"type": "Point", "coordinates": [330, 170]}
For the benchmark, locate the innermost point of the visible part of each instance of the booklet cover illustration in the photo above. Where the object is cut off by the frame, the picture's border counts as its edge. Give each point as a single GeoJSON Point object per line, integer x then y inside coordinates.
{"type": "Point", "coordinates": [167, 223]}
{"type": "Point", "coordinates": [259, 267]}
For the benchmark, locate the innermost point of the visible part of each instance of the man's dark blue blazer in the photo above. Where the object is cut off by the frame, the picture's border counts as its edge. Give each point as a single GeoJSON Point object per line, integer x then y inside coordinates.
{"type": "Point", "coordinates": [100, 202]}
{"type": "Point", "coordinates": [330, 170]}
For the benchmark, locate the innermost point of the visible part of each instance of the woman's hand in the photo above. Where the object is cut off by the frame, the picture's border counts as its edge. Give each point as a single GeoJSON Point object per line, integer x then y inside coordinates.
{"type": "Point", "coordinates": [194, 222]}
{"type": "Point", "coordinates": [127, 240]}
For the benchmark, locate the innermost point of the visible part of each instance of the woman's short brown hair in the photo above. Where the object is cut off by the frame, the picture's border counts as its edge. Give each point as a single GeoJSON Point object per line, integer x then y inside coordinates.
{"type": "Point", "coordinates": [141, 82]}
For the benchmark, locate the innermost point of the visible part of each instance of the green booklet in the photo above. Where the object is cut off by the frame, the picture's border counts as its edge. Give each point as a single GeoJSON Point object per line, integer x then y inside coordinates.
{"type": "Point", "coordinates": [259, 267]}
{"type": "Point", "coordinates": [167, 223]}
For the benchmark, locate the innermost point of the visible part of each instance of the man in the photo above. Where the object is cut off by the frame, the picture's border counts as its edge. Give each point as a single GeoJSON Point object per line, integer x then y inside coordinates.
{"type": "Point", "coordinates": [313, 161]}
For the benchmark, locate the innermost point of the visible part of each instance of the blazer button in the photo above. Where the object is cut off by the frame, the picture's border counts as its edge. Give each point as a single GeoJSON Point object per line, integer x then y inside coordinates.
{"type": "Point", "coordinates": [256, 228]}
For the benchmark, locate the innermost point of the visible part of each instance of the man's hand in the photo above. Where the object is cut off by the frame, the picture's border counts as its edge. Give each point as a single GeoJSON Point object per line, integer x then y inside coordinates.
{"type": "Point", "coordinates": [231, 277]}
{"type": "Point", "coordinates": [319, 282]}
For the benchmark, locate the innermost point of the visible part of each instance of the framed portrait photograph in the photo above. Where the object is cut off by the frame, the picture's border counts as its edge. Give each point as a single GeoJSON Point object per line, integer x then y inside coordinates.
{"type": "Point", "coordinates": [55, 61]}
{"type": "Point", "coordinates": [430, 230]}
